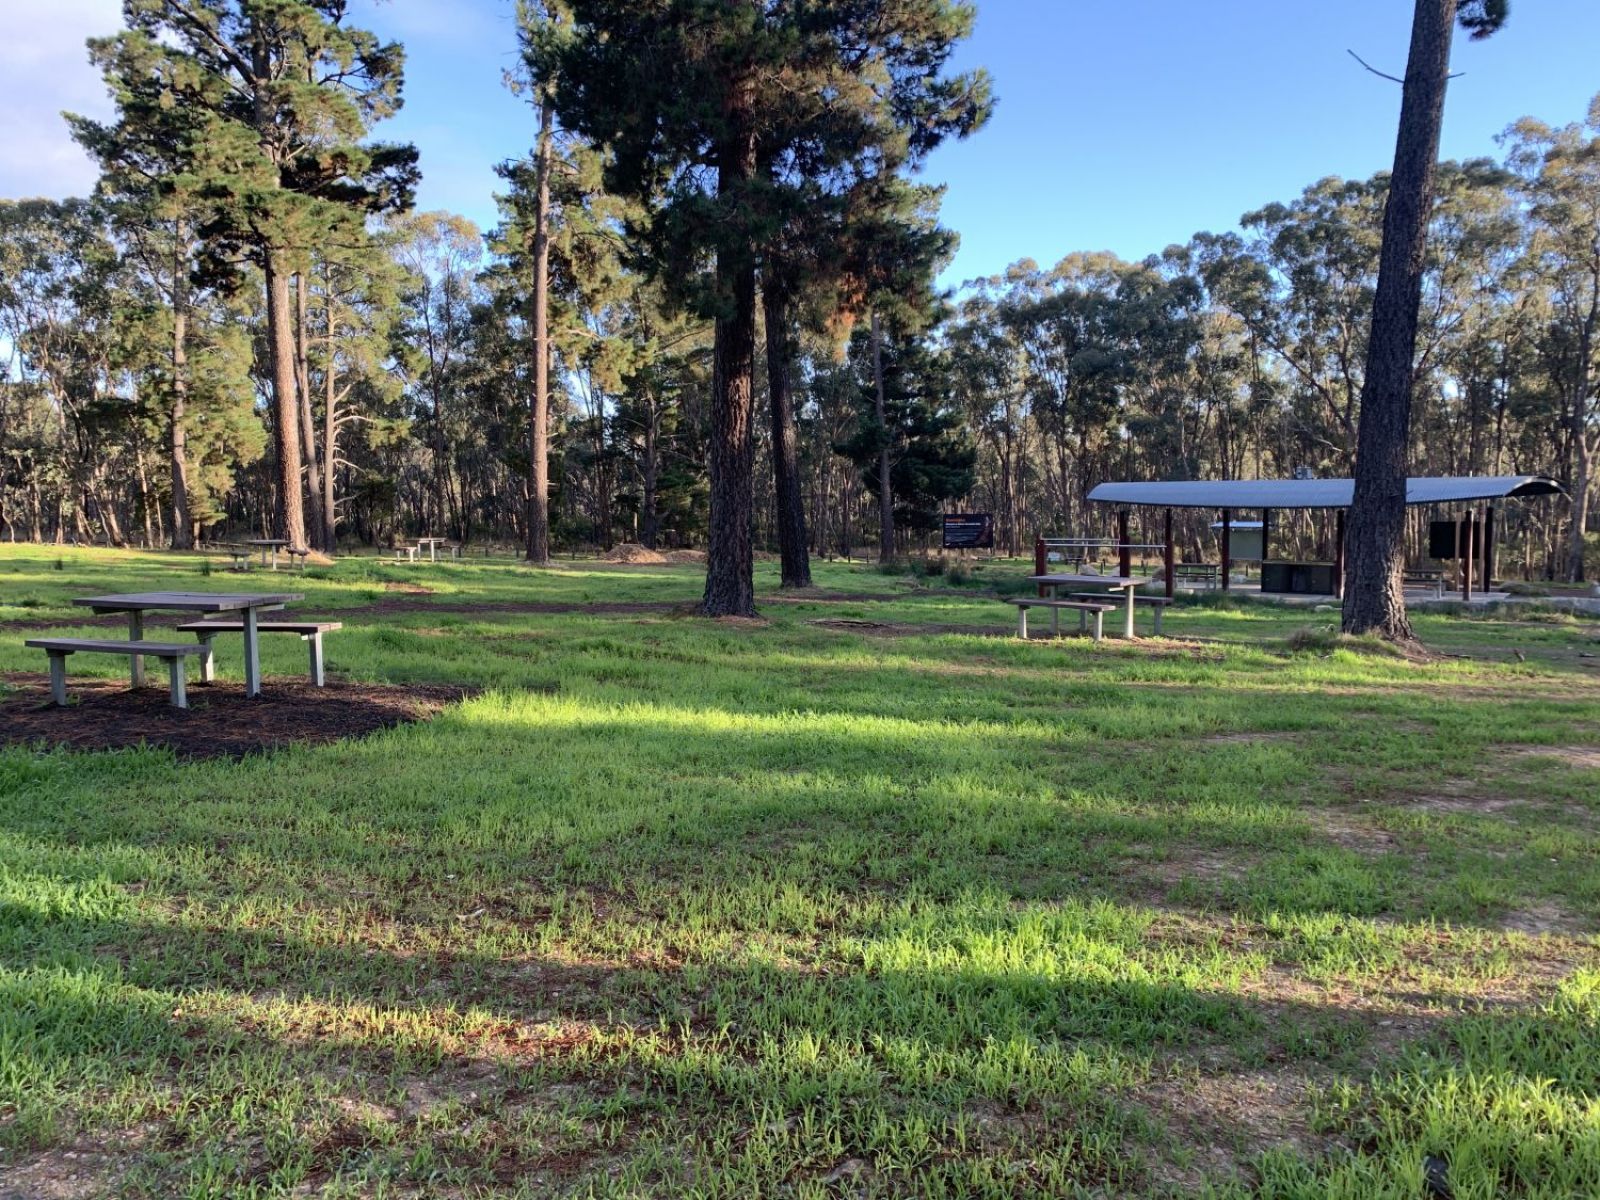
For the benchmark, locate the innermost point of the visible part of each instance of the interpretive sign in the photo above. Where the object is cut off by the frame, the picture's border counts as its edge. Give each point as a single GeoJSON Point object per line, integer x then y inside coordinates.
{"type": "Point", "coordinates": [969, 531]}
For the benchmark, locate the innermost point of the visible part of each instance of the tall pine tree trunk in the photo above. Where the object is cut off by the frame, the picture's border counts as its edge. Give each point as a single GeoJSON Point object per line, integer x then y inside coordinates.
{"type": "Point", "coordinates": [1374, 599]}
{"type": "Point", "coordinates": [730, 566]}
{"type": "Point", "coordinates": [177, 432]}
{"type": "Point", "coordinates": [308, 424]}
{"type": "Point", "coordinates": [796, 560]}
{"type": "Point", "coordinates": [330, 444]}
{"type": "Point", "coordinates": [885, 484]}
{"type": "Point", "coordinates": [539, 414]}
{"type": "Point", "coordinates": [1582, 486]}
{"type": "Point", "coordinates": [285, 401]}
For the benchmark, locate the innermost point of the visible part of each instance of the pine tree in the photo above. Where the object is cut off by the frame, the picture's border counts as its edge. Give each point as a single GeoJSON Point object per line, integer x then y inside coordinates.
{"type": "Point", "coordinates": [713, 104]}
{"type": "Point", "coordinates": [1374, 596]}
{"type": "Point", "coordinates": [278, 96]}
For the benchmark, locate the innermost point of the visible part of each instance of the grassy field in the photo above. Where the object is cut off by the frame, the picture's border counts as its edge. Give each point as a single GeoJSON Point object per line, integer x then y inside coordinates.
{"type": "Point", "coordinates": [886, 906]}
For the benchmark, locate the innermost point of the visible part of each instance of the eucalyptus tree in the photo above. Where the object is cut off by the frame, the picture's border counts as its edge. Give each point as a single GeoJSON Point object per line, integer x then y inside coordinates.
{"type": "Point", "coordinates": [278, 96]}
{"type": "Point", "coordinates": [1560, 178]}
{"type": "Point", "coordinates": [692, 97]}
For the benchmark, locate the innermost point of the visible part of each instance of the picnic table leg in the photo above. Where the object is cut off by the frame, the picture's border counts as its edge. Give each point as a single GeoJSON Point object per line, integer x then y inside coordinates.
{"type": "Point", "coordinates": [315, 641]}
{"type": "Point", "coordinates": [179, 697]}
{"type": "Point", "coordinates": [252, 654]}
{"type": "Point", "coordinates": [1022, 623]}
{"type": "Point", "coordinates": [58, 677]}
{"type": "Point", "coordinates": [1099, 624]}
{"type": "Point", "coordinates": [1127, 627]}
{"type": "Point", "coordinates": [136, 634]}
{"type": "Point", "coordinates": [208, 661]}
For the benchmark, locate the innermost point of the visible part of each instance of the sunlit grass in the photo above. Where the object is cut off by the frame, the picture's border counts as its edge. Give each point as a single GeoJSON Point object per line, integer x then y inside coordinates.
{"type": "Point", "coordinates": [678, 908]}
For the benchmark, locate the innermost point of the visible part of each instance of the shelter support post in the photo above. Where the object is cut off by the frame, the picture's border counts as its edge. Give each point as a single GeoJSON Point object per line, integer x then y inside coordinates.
{"type": "Point", "coordinates": [1488, 548]}
{"type": "Point", "coordinates": [1169, 559]}
{"type": "Point", "coordinates": [1467, 554]}
{"type": "Point", "coordinates": [1041, 564]}
{"type": "Point", "coordinates": [1124, 553]}
{"type": "Point", "coordinates": [1266, 534]}
{"type": "Point", "coordinates": [1227, 544]}
{"type": "Point", "coordinates": [1338, 553]}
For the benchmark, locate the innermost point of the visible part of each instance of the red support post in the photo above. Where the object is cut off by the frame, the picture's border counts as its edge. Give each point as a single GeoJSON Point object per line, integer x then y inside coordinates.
{"type": "Point", "coordinates": [1488, 549]}
{"type": "Point", "coordinates": [1468, 566]}
{"type": "Point", "coordinates": [1227, 544]}
{"type": "Point", "coordinates": [1338, 554]}
{"type": "Point", "coordinates": [1169, 558]}
{"type": "Point", "coordinates": [1124, 554]}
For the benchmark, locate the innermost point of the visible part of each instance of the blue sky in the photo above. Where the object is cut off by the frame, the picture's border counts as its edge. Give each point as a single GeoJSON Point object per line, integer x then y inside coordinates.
{"type": "Point", "coordinates": [1122, 125]}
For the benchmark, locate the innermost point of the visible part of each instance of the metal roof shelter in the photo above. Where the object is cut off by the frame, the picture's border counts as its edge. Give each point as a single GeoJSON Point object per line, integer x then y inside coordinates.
{"type": "Point", "coordinates": [1316, 493]}
{"type": "Point", "coordinates": [1228, 495]}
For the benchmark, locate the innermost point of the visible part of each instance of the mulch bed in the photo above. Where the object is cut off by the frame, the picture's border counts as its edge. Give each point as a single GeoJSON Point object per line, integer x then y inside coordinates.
{"type": "Point", "coordinates": [221, 722]}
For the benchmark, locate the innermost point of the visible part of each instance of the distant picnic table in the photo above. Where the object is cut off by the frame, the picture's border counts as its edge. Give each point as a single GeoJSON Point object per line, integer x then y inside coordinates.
{"type": "Point", "coordinates": [266, 545]}
{"type": "Point", "coordinates": [1126, 584]}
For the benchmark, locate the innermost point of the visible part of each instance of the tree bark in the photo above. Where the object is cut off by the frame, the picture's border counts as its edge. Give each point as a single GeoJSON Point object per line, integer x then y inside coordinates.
{"type": "Point", "coordinates": [285, 403]}
{"type": "Point", "coordinates": [885, 487]}
{"type": "Point", "coordinates": [308, 425]}
{"type": "Point", "coordinates": [330, 442]}
{"type": "Point", "coordinates": [1374, 596]}
{"type": "Point", "coordinates": [177, 432]}
{"type": "Point", "coordinates": [730, 566]}
{"type": "Point", "coordinates": [792, 547]}
{"type": "Point", "coordinates": [538, 539]}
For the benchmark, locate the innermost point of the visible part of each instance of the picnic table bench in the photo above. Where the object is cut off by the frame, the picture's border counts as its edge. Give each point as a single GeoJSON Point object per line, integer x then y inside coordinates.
{"type": "Point", "coordinates": [1157, 604]}
{"type": "Point", "coordinates": [310, 632]}
{"type": "Point", "coordinates": [1209, 574]}
{"type": "Point", "coordinates": [239, 551]}
{"type": "Point", "coordinates": [1084, 609]}
{"type": "Point", "coordinates": [1424, 577]}
{"type": "Point", "coordinates": [248, 605]}
{"type": "Point", "coordinates": [432, 545]}
{"type": "Point", "coordinates": [171, 653]}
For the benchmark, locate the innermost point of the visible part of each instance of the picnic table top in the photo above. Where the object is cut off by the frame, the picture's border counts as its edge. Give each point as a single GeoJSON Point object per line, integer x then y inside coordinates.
{"type": "Point", "coordinates": [267, 542]}
{"type": "Point", "coordinates": [1113, 581]}
{"type": "Point", "coordinates": [186, 601]}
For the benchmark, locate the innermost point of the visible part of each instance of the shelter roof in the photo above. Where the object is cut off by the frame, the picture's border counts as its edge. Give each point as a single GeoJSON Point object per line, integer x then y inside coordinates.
{"type": "Point", "coordinates": [1317, 493]}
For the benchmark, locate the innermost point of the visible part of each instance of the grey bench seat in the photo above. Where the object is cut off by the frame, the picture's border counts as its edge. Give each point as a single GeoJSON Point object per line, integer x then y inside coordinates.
{"type": "Point", "coordinates": [171, 653]}
{"type": "Point", "coordinates": [1085, 609]}
{"type": "Point", "coordinates": [1158, 603]}
{"type": "Point", "coordinates": [310, 632]}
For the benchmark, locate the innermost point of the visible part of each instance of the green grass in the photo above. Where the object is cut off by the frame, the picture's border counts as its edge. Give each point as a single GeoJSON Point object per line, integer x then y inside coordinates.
{"type": "Point", "coordinates": [675, 908]}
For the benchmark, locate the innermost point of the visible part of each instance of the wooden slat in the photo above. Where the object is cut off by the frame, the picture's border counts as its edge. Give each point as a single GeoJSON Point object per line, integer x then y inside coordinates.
{"type": "Point", "coordinates": [186, 601]}
{"type": "Point", "coordinates": [302, 627]}
{"type": "Point", "coordinates": [95, 646]}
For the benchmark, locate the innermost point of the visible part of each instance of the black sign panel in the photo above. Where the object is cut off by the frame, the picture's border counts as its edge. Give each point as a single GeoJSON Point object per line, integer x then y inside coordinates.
{"type": "Point", "coordinates": [1442, 537]}
{"type": "Point", "coordinates": [969, 531]}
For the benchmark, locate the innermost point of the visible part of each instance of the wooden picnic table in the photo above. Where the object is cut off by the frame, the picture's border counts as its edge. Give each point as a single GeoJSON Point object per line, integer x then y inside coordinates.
{"type": "Point", "coordinates": [248, 604]}
{"type": "Point", "coordinates": [266, 544]}
{"type": "Point", "coordinates": [433, 544]}
{"type": "Point", "coordinates": [1126, 584]}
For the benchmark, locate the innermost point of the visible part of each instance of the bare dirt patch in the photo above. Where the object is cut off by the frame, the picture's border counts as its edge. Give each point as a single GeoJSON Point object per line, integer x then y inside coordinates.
{"type": "Point", "coordinates": [892, 629]}
{"type": "Point", "coordinates": [632, 552]}
{"type": "Point", "coordinates": [1583, 757]}
{"type": "Point", "coordinates": [1544, 919]}
{"type": "Point", "coordinates": [1350, 830]}
{"type": "Point", "coordinates": [409, 589]}
{"type": "Point", "coordinates": [75, 1172]}
{"type": "Point", "coordinates": [1247, 739]}
{"type": "Point", "coordinates": [221, 722]}
{"type": "Point", "coordinates": [1229, 1119]}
